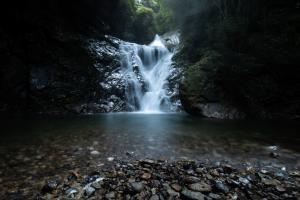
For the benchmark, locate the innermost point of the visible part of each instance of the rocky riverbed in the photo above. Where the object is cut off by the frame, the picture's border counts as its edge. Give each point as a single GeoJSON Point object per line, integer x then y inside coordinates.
{"type": "Point", "coordinates": [45, 158]}
{"type": "Point", "coordinates": [154, 180]}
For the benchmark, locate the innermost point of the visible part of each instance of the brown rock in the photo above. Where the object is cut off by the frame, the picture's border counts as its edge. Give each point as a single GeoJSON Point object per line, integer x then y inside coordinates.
{"type": "Point", "coordinates": [176, 187]}
{"type": "Point", "coordinates": [146, 176]}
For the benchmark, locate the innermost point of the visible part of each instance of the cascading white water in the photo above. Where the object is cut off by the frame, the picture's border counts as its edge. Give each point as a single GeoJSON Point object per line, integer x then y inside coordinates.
{"type": "Point", "coordinates": [146, 69]}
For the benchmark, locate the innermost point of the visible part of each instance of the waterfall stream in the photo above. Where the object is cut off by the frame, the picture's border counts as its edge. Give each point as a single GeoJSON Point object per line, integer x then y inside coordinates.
{"type": "Point", "coordinates": [146, 69]}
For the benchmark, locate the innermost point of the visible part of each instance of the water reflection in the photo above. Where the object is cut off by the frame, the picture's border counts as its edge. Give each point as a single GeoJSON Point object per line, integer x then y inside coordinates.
{"type": "Point", "coordinates": [45, 147]}
{"type": "Point", "coordinates": [171, 136]}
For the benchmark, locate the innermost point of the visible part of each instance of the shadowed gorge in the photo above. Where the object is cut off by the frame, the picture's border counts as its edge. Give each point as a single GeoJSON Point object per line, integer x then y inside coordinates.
{"type": "Point", "coordinates": [150, 99]}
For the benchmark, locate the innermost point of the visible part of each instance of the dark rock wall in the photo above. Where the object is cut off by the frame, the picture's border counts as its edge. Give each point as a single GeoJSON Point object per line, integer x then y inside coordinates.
{"type": "Point", "coordinates": [50, 55]}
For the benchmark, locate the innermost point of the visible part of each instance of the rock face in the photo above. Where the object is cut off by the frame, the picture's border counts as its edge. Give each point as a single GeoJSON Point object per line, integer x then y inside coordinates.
{"type": "Point", "coordinates": [200, 92]}
{"type": "Point", "coordinates": [72, 74]}
{"type": "Point", "coordinates": [54, 58]}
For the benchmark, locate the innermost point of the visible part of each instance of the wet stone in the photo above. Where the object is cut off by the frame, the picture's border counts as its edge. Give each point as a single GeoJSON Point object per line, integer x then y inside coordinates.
{"type": "Point", "coordinates": [163, 181]}
{"type": "Point", "coordinates": [148, 162]}
{"type": "Point", "coordinates": [172, 193]}
{"type": "Point", "coordinates": [73, 176]}
{"type": "Point", "coordinates": [137, 186]}
{"type": "Point", "coordinates": [71, 192]}
{"type": "Point", "coordinates": [214, 196]}
{"type": "Point", "coordinates": [96, 185]}
{"type": "Point", "coordinates": [89, 191]}
{"type": "Point", "coordinates": [280, 188]}
{"type": "Point", "coordinates": [111, 195]}
{"type": "Point", "coordinates": [191, 179]}
{"type": "Point", "coordinates": [110, 159]}
{"type": "Point", "coordinates": [270, 182]}
{"type": "Point", "coordinates": [154, 197]}
{"type": "Point", "coordinates": [200, 187]}
{"type": "Point", "coordinates": [295, 174]}
{"type": "Point", "coordinates": [176, 187]}
{"type": "Point", "coordinates": [95, 153]}
{"type": "Point", "coordinates": [221, 187]}
{"type": "Point", "coordinates": [200, 170]}
{"type": "Point", "coordinates": [146, 176]}
{"type": "Point", "coordinates": [244, 181]}
{"type": "Point", "coordinates": [274, 155]}
{"type": "Point", "coordinates": [130, 153]}
{"type": "Point", "coordinates": [49, 186]}
{"type": "Point", "coordinates": [192, 195]}
{"type": "Point", "coordinates": [228, 168]}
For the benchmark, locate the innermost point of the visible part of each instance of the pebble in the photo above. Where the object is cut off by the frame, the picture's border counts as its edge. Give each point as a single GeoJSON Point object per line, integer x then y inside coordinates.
{"type": "Point", "coordinates": [49, 187]}
{"type": "Point", "coordinates": [227, 168]}
{"type": "Point", "coordinates": [176, 187]}
{"type": "Point", "coordinates": [295, 173]}
{"type": "Point", "coordinates": [192, 195]}
{"type": "Point", "coordinates": [96, 185]}
{"type": "Point", "coordinates": [200, 187]}
{"type": "Point", "coordinates": [154, 197]}
{"type": "Point", "coordinates": [214, 196]}
{"type": "Point", "coordinates": [146, 176]}
{"type": "Point", "coordinates": [222, 187]}
{"type": "Point", "coordinates": [214, 172]}
{"type": "Point", "coordinates": [129, 153]}
{"type": "Point", "coordinates": [137, 186]}
{"type": "Point", "coordinates": [89, 191]}
{"type": "Point", "coordinates": [271, 182]}
{"type": "Point", "coordinates": [274, 155]}
{"type": "Point", "coordinates": [280, 188]}
{"type": "Point", "coordinates": [244, 181]}
{"type": "Point", "coordinates": [111, 195]}
{"type": "Point", "coordinates": [148, 161]}
{"type": "Point", "coordinates": [110, 159]}
{"type": "Point", "coordinates": [172, 193]}
{"type": "Point", "coordinates": [95, 153]}
{"type": "Point", "coordinates": [192, 179]}
{"type": "Point", "coordinates": [71, 192]}
{"type": "Point", "coordinates": [200, 170]}
{"type": "Point", "coordinates": [157, 180]}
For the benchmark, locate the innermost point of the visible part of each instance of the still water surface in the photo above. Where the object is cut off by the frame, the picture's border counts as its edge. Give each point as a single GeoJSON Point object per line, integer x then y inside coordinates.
{"type": "Point", "coordinates": [32, 150]}
{"type": "Point", "coordinates": [163, 135]}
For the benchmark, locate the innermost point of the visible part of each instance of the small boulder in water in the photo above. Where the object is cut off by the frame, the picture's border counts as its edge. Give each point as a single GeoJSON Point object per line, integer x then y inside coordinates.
{"type": "Point", "coordinates": [95, 153]}
{"type": "Point", "coordinates": [110, 159]}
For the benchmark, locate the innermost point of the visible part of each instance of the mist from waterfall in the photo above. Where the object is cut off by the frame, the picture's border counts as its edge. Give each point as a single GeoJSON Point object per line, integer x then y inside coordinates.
{"type": "Point", "coordinates": [146, 69]}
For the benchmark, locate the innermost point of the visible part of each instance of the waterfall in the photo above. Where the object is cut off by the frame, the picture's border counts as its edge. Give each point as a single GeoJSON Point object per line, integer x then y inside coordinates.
{"type": "Point", "coordinates": [146, 69]}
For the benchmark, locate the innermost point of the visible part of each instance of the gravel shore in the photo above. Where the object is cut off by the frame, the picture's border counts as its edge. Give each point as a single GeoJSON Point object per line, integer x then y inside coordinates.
{"type": "Point", "coordinates": [159, 180]}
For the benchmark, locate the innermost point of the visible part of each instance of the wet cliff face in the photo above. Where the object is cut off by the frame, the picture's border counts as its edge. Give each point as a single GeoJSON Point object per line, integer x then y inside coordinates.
{"type": "Point", "coordinates": [55, 58]}
{"type": "Point", "coordinates": [65, 73]}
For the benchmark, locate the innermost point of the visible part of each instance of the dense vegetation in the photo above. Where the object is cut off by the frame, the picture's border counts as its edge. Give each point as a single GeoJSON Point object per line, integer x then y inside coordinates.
{"type": "Point", "coordinates": [241, 53]}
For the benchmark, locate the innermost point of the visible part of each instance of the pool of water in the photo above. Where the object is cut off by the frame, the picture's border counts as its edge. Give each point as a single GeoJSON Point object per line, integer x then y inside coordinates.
{"type": "Point", "coordinates": [34, 148]}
